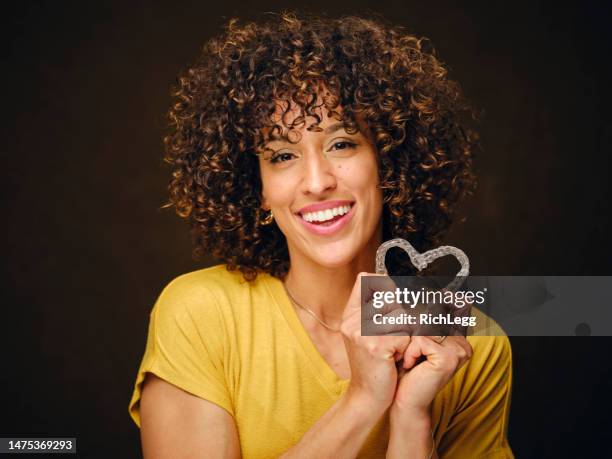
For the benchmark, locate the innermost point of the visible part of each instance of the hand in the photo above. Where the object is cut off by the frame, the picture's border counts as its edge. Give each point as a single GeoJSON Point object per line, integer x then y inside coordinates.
{"type": "Point", "coordinates": [371, 358]}
{"type": "Point", "coordinates": [422, 380]}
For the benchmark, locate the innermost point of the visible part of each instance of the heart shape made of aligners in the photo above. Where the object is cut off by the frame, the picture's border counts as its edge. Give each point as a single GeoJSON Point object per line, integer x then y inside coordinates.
{"type": "Point", "coordinates": [422, 260]}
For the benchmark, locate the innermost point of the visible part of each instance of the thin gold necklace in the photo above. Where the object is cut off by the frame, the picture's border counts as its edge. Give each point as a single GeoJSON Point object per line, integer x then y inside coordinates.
{"type": "Point", "coordinates": [309, 311]}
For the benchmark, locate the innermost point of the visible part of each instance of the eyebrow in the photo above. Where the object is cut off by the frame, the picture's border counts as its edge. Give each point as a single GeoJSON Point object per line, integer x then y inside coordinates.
{"type": "Point", "coordinates": [333, 128]}
{"type": "Point", "coordinates": [328, 130]}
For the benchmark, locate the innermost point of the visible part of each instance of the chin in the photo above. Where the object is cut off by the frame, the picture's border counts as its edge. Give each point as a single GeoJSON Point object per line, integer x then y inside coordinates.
{"type": "Point", "coordinates": [335, 258]}
{"type": "Point", "coordinates": [335, 263]}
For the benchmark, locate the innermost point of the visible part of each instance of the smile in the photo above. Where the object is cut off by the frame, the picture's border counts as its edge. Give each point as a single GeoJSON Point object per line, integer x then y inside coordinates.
{"type": "Point", "coordinates": [328, 221]}
{"type": "Point", "coordinates": [326, 215]}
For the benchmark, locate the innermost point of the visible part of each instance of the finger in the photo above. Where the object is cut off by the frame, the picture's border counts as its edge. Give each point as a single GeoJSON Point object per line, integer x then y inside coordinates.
{"type": "Point", "coordinates": [371, 284]}
{"type": "Point", "coordinates": [458, 347]}
{"type": "Point", "coordinates": [374, 281]}
{"type": "Point", "coordinates": [379, 285]}
{"type": "Point", "coordinates": [354, 302]}
{"type": "Point", "coordinates": [419, 346]}
{"type": "Point", "coordinates": [463, 344]}
{"type": "Point", "coordinates": [389, 346]}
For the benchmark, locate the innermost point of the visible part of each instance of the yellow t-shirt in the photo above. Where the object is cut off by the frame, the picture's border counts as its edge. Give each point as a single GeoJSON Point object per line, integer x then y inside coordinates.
{"type": "Point", "coordinates": [242, 346]}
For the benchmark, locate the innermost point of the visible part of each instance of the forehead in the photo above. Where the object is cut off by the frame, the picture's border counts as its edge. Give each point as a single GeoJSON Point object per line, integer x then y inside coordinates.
{"type": "Point", "coordinates": [288, 117]}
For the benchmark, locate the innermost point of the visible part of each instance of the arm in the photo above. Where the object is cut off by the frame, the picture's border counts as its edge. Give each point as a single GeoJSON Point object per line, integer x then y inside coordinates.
{"type": "Point", "coordinates": [478, 427]}
{"type": "Point", "coordinates": [181, 399]}
{"type": "Point", "coordinates": [420, 381]}
{"type": "Point", "coordinates": [178, 425]}
{"type": "Point", "coordinates": [412, 436]}
{"type": "Point", "coordinates": [340, 432]}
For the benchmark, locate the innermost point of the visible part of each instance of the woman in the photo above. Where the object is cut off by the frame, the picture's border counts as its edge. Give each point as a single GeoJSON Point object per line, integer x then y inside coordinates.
{"type": "Point", "coordinates": [299, 146]}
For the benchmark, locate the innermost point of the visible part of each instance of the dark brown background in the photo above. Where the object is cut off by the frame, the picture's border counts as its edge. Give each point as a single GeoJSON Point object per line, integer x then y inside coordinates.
{"type": "Point", "coordinates": [87, 250]}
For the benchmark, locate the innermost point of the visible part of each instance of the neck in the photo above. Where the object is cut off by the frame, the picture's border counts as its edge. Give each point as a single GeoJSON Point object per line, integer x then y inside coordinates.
{"type": "Point", "coordinates": [324, 290]}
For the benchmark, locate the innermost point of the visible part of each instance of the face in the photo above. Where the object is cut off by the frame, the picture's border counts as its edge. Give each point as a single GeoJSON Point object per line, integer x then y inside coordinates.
{"type": "Point", "coordinates": [323, 192]}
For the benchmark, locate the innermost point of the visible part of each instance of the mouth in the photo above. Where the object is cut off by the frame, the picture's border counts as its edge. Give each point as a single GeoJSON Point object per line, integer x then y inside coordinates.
{"type": "Point", "coordinates": [328, 221]}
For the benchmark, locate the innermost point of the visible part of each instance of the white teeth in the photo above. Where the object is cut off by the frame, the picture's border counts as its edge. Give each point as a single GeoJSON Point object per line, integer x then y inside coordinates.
{"type": "Point", "coordinates": [325, 215]}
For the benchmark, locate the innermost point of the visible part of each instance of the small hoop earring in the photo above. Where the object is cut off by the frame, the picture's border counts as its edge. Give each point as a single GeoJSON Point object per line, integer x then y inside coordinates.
{"type": "Point", "coordinates": [269, 218]}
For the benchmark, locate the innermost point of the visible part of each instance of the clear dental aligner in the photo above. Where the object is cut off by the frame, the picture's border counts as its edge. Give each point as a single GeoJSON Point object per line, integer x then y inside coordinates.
{"type": "Point", "coordinates": [422, 260]}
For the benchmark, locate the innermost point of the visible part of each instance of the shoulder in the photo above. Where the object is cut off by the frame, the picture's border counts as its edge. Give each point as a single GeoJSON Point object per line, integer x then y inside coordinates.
{"type": "Point", "coordinates": [198, 293]}
{"type": "Point", "coordinates": [491, 349]}
{"type": "Point", "coordinates": [475, 404]}
{"type": "Point", "coordinates": [485, 380]}
{"type": "Point", "coordinates": [489, 342]}
{"type": "Point", "coordinates": [198, 286]}
{"type": "Point", "coordinates": [485, 324]}
{"type": "Point", "coordinates": [490, 367]}
{"type": "Point", "coordinates": [211, 294]}
{"type": "Point", "coordinates": [208, 280]}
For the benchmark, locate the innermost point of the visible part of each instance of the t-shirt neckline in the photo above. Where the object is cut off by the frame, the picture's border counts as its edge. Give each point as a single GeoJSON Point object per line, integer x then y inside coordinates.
{"type": "Point", "coordinates": [324, 372]}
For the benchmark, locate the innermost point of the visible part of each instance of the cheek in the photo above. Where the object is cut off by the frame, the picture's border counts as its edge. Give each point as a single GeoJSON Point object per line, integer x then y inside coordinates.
{"type": "Point", "coordinates": [362, 178]}
{"type": "Point", "coordinates": [276, 190]}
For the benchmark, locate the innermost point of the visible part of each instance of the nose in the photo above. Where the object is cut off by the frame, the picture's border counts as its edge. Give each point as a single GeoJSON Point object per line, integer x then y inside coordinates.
{"type": "Point", "coordinates": [318, 174]}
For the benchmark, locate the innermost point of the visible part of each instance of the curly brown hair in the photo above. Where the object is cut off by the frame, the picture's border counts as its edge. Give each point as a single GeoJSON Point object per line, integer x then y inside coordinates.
{"type": "Point", "coordinates": [417, 116]}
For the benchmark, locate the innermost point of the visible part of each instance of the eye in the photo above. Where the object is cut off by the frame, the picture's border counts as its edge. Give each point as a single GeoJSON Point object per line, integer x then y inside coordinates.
{"type": "Point", "coordinates": [342, 149]}
{"type": "Point", "coordinates": [342, 145]}
{"type": "Point", "coordinates": [281, 157]}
